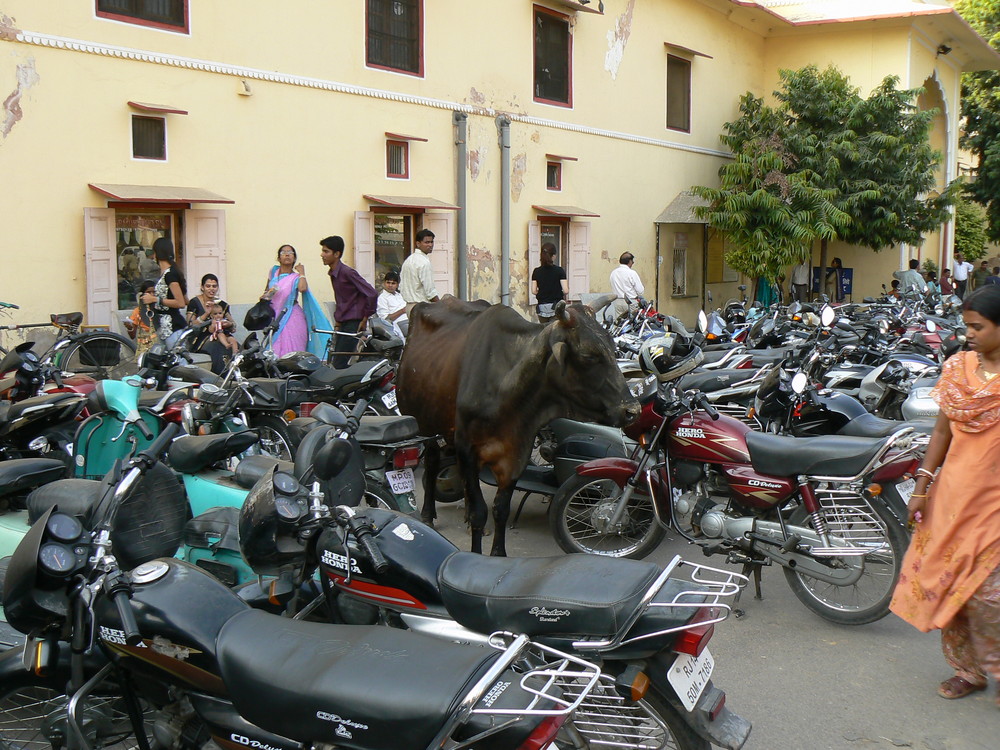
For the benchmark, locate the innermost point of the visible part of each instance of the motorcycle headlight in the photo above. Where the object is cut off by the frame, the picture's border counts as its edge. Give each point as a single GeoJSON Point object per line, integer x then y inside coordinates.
{"type": "Point", "coordinates": [40, 444]}
{"type": "Point", "coordinates": [188, 421]}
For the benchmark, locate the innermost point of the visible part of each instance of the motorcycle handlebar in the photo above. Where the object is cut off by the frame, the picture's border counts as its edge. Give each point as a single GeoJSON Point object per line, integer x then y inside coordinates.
{"type": "Point", "coordinates": [152, 454]}
{"type": "Point", "coordinates": [363, 533]}
{"type": "Point", "coordinates": [142, 427]}
{"type": "Point", "coordinates": [702, 401]}
{"type": "Point", "coordinates": [121, 599]}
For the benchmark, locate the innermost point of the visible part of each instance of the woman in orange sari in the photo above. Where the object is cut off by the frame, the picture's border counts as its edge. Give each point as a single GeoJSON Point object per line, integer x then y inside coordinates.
{"type": "Point", "coordinates": [951, 573]}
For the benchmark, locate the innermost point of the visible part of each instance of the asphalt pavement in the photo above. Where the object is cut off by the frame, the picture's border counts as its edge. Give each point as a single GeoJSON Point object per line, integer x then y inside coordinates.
{"type": "Point", "coordinates": [805, 683]}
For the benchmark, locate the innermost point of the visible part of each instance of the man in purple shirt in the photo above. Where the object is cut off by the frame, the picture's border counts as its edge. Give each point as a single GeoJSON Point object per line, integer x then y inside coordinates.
{"type": "Point", "coordinates": [356, 298]}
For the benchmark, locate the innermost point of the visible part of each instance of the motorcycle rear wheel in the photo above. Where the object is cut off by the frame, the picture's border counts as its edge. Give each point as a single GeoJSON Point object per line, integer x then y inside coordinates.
{"type": "Point", "coordinates": [275, 439]}
{"type": "Point", "coordinates": [582, 503]}
{"type": "Point", "coordinates": [866, 600]}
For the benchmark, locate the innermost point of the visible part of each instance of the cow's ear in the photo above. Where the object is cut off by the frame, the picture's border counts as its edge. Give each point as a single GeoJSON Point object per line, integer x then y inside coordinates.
{"type": "Point", "coordinates": [565, 313]}
{"type": "Point", "coordinates": [556, 366]}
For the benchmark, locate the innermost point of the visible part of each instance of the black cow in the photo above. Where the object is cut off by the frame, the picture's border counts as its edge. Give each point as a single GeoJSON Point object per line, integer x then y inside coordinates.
{"type": "Point", "coordinates": [487, 380]}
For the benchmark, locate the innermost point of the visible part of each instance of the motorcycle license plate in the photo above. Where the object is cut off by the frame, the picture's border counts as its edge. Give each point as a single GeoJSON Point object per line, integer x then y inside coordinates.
{"type": "Point", "coordinates": [689, 675]}
{"type": "Point", "coordinates": [400, 481]}
{"type": "Point", "coordinates": [906, 488]}
{"type": "Point", "coordinates": [389, 399]}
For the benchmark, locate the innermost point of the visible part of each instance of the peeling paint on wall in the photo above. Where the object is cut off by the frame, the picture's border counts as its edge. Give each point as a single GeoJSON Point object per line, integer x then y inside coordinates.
{"type": "Point", "coordinates": [536, 137]}
{"type": "Point", "coordinates": [519, 165]}
{"type": "Point", "coordinates": [8, 31]}
{"type": "Point", "coordinates": [27, 77]}
{"type": "Point", "coordinates": [476, 158]}
{"type": "Point", "coordinates": [476, 97]}
{"type": "Point", "coordinates": [617, 39]}
{"type": "Point", "coordinates": [484, 276]}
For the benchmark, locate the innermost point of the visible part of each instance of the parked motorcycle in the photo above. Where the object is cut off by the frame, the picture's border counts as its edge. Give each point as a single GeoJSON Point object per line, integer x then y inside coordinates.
{"type": "Point", "coordinates": [168, 652]}
{"type": "Point", "coordinates": [635, 618]}
{"type": "Point", "coordinates": [822, 508]}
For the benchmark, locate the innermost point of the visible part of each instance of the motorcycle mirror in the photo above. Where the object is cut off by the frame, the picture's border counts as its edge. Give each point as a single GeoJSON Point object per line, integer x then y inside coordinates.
{"type": "Point", "coordinates": [331, 459]}
{"type": "Point", "coordinates": [702, 321]}
{"type": "Point", "coordinates": [883, 325]}
{"type": "Point", "coordinates": [931, 326]}
{"type": "Point", "coordinates": [799, 383]}
{"type": "Point", "coordinates": [742, 287]}
{"type": "Point", "coordinates": [827, 316]}
{"type": "Point", "coordinates": [708, 295]}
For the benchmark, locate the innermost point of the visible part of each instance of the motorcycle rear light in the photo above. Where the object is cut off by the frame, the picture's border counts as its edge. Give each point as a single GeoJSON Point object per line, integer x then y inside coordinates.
{"type": "Point", "coordinates": [692, 641]}
{"type": "Point", "coordinates": [406, 457]}
{"type": "Point", "coordinates": [386, 379]}
{"type": "Point", "coordinates": [306, 408]}
{"type": "Point", "coordinates": [544, 733]}
{"type": "Point", "coordinates": [714, 711]}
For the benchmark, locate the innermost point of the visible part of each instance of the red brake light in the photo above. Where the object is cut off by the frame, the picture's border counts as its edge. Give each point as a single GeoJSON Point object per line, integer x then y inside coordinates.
{"type": "Point", "coordinates": [386, 379]}
{"type": "Point", "coordinates": [406, 457]}
{"type": "Point", "coordinates": [544, 733]}
{"type": "Point", "coordinates": [692, 641]}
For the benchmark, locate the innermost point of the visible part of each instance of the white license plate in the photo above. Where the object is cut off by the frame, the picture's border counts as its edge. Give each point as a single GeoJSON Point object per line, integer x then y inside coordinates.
{"type": "Point", "coordinates": [389, 399]}
{"type": "Point", "coordinates": [400, 481]}
{"type": "Point", "coordinates": [689, 675]}
{"type": "Point", "coordinates": [905, 489]}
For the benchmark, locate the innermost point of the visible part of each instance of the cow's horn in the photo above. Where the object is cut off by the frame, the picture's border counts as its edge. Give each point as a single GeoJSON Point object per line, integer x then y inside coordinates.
{"type": "Point", "coordinates": [561, 312]}
{"type": "Point", "coordinates": [601, 302]}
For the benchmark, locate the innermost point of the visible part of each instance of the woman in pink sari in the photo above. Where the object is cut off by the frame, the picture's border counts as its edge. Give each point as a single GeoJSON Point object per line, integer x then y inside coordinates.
{"type": "Point", "coordinates": [296, 311]}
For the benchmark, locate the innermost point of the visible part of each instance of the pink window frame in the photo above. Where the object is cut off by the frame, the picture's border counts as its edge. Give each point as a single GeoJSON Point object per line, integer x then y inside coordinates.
{"type": "Point", "coordinates": [151, 24]}
{"type": "Point", "coordinates": [558, 166]}
{"type": "Point", "coordinates": [406, 159]}
{"type": "Point", "coordinates": [420, 40]}
{"type": "Point", "coordinates": [568, 104]}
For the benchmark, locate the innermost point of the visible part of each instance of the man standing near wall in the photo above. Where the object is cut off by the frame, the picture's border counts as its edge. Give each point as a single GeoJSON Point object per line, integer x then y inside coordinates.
{"type": "Point", "coordinates": [800, 281]}
{"type": "Point", "coordinates": [911, 277]}
{"type": "Point", "coordinates": [626, 284]}
{"type": "Point", "coordinates": [960, 274]}
{"type": "Point", "coordinates": [356, 298]}
{"type": "Point", "coordinates": [416, 274]}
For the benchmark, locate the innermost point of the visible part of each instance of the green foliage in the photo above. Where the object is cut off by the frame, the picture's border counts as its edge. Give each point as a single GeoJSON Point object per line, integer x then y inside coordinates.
{"type": "Point", "coordinates": [970, 229]}
{"type": "Point", "coordinates": [823, 164]}
{"type": "Point", "coordinates": [928, 266]}
{"type": "Point", "coordinates": [981, 112]}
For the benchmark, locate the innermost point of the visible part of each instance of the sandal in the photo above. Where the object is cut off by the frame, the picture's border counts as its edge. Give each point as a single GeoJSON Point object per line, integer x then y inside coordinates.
{"type": "Point", "coordinates": [958, 687]}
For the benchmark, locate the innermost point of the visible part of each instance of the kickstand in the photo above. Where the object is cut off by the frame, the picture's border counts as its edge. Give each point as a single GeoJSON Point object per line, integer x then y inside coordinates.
{"type": "Point", "coordinates": [750, 569]}
{"type": "Point", "coordinates": [520, 507]}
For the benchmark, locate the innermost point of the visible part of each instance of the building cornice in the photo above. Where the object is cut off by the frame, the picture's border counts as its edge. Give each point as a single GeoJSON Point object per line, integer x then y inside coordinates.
{"type": "Point", "coordinates": [243, 72]}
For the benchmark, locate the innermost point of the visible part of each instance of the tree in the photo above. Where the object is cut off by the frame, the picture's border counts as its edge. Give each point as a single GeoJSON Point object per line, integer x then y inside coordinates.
{"type": "Point", "coordinates": [861, 170]}
{"type": "Point", "coordinates": [970, 229]}
{"type": "Point", "coordinates": [981, 111]}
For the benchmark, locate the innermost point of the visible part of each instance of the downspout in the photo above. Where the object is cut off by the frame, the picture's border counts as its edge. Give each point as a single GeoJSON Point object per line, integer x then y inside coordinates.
{"type": "Point", "coordinates": [503, 125]}
{"type": "Point", "coordinates": [658, 259]}
{"type": "Point", "coordinates": [461, 122]}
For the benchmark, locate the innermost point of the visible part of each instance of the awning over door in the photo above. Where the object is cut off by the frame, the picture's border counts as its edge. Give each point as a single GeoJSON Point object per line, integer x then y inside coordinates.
{"type": "Point", "coordinates": [158, 194]}
{"type": "Point", "coordinates": [406, 201]}
{"type": "Point", "coordinates": [565, 211]}
{"type": "Point", "coordinates": [681, 210]}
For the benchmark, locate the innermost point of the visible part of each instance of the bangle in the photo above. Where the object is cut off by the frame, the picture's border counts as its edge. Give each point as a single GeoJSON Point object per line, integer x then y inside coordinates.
{"type": "Point", "coordinates": [918, 494]}
{"type": "Point", "coordinates": [925, 473]}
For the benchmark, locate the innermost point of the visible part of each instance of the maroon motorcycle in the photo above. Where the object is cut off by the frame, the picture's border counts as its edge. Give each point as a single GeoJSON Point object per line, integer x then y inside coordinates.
{"type": "Point", "coordinates": [815, 506]}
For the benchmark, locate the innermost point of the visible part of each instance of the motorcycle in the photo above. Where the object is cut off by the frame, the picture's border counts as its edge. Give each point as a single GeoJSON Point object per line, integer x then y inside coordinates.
{"type": "Point", "coordinates": [831, 510]}
{"type": "Point", "coordinates": [23, 374]}
{"type": "Point", "coordinates": [168, 652]}
{"type": "Point", "coordinates": [634, 618]}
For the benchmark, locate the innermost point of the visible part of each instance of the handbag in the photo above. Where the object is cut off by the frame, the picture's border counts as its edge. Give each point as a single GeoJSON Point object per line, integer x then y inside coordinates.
{"type": "Point", "coordinates": [259, 316]}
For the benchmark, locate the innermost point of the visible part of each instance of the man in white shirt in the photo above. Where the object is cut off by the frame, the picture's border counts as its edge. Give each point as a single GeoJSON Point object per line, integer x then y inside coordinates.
{"type": "Point", "coordinates": [416, 274]}
{"type": "Point", "coordinates": [800, 281]}
{"type": "Point", "coordinates": [911, 277]}
{"type": "Point", "coordinates": [626, 284]}
{"type": "Point", "coordinates": [960, 274]}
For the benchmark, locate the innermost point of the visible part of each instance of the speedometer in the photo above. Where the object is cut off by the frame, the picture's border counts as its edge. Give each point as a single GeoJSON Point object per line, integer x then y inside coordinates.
{"type": "Point", "coordinates": [56, 559]}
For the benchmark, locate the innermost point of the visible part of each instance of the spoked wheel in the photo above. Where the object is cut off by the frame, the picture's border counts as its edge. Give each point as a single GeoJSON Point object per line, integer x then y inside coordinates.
{"type": "Point", "coordinates": [867, 599]}
{"type": "Point", "coordinates": [580, 514]}
{"type": "Point", "coordinates": [377, 496]}
{"type": "Point", "coordinates": [96, 354]}
{"type": "Point", "coordinates": [33, 717]}
{"type": "Point", "coordinates": [275, 440]}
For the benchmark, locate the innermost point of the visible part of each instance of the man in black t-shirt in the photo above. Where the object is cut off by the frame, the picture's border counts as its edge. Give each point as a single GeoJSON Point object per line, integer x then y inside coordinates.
{"type": "Point", "coordinates": [548, 284]}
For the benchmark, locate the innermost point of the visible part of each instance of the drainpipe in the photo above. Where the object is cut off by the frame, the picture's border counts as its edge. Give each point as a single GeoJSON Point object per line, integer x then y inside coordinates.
{"type": "Point", "coordinates": [503, 125]}
{"type": "Point", "coordinates": [461, 121]}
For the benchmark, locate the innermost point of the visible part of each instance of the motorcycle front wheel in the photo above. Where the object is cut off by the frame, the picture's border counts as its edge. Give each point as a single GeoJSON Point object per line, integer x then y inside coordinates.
{"type": "Point", "coordinates": [867, 599]}
{"type": "Point", "coordinates": [275, 440]}
{"type": "Point", "coordinates": [579, 515]}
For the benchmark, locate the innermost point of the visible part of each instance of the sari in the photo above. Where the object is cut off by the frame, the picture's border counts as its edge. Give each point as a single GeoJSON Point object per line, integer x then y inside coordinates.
{"type": "Point", "coordinates": [296, 321]}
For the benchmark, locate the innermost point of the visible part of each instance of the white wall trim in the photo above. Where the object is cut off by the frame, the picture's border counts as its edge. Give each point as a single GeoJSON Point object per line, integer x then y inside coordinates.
{"type": "Point", "coordinates": [239, 71]}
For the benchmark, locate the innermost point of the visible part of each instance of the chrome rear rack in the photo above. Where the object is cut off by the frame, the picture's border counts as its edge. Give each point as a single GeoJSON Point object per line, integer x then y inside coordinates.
{"type": "Point", "coordinates": [709, 588]}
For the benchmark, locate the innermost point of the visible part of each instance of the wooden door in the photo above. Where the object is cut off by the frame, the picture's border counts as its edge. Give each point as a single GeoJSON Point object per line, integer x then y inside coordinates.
{"type": "Point", "coordinates": [102, 266]}
{"type": "Point", "coordinates": [205, 248]}
{"type": "Point", "coordinates": [443, 256]}
{"type": "Point", "coordinates": [578, 259]}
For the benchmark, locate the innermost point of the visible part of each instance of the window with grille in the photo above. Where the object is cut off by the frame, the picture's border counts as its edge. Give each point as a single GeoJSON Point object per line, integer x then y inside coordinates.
{"type": "Point", "coordinates": [397, 159]}
{"type": "Point", "coordinates": [164, 14]}
{"type": "Point", "coordinates": [678, 94]}
{"type": "Point", "coordinates": [553, 54]}
{"type": "Point", "coordinates": [553, 175]}
{"type": "Point", "coordinates": [394, 31]}
{"type": "Point", "coordinates": [149, 137]}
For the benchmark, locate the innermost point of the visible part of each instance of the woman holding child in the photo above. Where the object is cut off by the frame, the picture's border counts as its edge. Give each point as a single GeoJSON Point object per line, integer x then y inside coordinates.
{"type": "Point", "coordinates": [200, 310]}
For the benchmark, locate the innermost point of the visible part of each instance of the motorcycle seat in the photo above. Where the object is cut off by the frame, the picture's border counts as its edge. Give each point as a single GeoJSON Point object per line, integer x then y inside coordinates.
{"type": "Point", "coordinates": [580, 595]}
{"type": "Point", "coordinates": [768, 356]}
{"type": "Point", "coordinates": [192, 453]}
{"type": "Point", "coordinates": [9, 411]}
{"type": "Point", "coordinates": [872, 426]}
{"type": "Point", "coordinates": [20, 474]}
{"type": "Point", "coordinates": [330, 377]}
{"type": "Point", "coordinates": [714, 380]}
{"type": "Point", "coordinates": [826, 455]}
{"type": "Point", "coordinates": [73, 496]}
{"type": "Point", "coordinates": [375, 429]}
{"type": "Point", "coordinates": [194, 374]}
{"type": "Point", "coordinates": [300, 680]}
{"type": "Point", "coordinates": [250, 469]}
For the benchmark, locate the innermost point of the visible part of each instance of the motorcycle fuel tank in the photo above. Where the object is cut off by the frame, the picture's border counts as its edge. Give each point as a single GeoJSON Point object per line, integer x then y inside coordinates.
{"type": "Point", "coordinates": [413, 551]}
{"type": "Point", "coordinates": [697, 437]}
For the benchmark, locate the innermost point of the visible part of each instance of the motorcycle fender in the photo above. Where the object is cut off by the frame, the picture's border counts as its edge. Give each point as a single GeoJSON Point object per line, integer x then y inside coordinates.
{"type": "Point", "coordinates": [728, 730]}
{"type": "Point", "coordinates": [618, 470]}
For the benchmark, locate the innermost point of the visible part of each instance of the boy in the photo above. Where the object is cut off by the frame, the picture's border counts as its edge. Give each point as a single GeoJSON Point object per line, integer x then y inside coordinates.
{"type": "Point", "coordinates": [391, 306]}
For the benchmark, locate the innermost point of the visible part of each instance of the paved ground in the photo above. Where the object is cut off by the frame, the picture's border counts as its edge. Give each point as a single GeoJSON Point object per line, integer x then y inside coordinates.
{"type": "Point", "coordinates": [807, 684]}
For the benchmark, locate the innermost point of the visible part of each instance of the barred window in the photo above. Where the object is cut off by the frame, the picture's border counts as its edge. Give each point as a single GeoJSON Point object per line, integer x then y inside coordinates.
{"type": "Point", "coordinates": [553, 52]}
{"type": "Point", "coordinates": [394, 30]}
{"type": "Point", "coordinates": [167, 14]}
{"type": "Point", "coordinates": [149, 137]}
{"type": "Point", "coordinates": [397, 159]}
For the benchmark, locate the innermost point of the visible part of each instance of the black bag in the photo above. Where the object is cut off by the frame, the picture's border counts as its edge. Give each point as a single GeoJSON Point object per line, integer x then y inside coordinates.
{"type": "Point", "coordinates": [259, 316]}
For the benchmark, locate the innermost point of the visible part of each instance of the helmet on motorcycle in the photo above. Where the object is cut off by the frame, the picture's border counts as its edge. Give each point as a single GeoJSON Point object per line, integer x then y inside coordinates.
{"type": "Point", "coordinates": [267, 528]}
{"type": "Point", "coordinates": [668, 357]}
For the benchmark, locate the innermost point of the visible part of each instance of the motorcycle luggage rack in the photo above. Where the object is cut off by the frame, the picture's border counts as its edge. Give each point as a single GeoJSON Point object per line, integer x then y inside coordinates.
{"type": "Point", "coordinates": [566, 682]}
{"type": "Point", "coordinates": [708, 588]}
